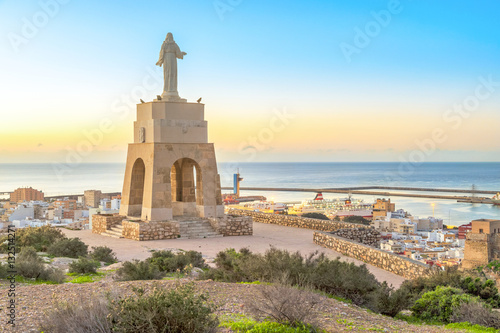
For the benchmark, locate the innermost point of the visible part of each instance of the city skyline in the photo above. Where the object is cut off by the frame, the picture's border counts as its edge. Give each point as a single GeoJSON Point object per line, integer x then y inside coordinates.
{"type": "Point", "coordinates": [282, 81]}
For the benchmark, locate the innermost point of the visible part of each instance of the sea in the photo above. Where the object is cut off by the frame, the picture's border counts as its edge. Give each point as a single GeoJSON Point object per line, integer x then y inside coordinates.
{"type": "Point", "coordinates": [58, 179]}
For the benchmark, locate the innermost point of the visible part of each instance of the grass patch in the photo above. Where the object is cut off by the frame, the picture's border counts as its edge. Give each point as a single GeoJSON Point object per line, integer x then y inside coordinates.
{"type": "Point", "coordinates": [21, 279]}
{"type": "Point", "coordinates": [471, 328]}
{"type": "Point", "coordinates": [253, 282]}
{"type": "Point", "coordinates": [246, 325]}
{"type": "Point", "coordinates": [85, 278]}
{"type": "Point", "coordinates": [82, 279]}
{"type": "Point", "coordinates": [416, 321]}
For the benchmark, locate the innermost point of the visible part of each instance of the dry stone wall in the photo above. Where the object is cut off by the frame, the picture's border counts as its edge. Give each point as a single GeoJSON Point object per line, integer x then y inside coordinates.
{"type": "Point", "coordinates": [391, 262]}
{"type": "Point", "coordinates": [367, 236]}
{"type": "Point", "coordinates": [103, 222]}
{"type": "Point", "coordinates": [144, 231]}
{"type": "Point", "coordinates": [294, 221]}
{"type": "Point", "coordinates": [233, 225]}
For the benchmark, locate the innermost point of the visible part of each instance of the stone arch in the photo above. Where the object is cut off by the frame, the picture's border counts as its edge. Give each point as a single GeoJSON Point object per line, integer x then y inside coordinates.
{"type": "Point", "coordinates": [186, 181]}
{"type": "Point", "coordinates": [137, 187]}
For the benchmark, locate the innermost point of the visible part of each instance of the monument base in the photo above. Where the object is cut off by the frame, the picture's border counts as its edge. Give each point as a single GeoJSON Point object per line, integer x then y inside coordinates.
{"type": "Point", "coordinates": [169, 96]}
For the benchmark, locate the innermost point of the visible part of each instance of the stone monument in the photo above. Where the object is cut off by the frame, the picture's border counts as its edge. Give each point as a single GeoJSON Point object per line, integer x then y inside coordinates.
{"type": "Point", "coordinates": [171, 167]}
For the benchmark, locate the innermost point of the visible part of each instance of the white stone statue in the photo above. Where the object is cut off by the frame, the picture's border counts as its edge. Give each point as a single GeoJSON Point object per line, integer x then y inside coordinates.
{"type": "Point", "coordinates": [169, 54]}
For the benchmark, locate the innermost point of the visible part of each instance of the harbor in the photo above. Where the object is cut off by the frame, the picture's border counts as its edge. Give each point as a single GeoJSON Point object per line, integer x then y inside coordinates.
{"type": "Point", "coordinates": [360, 190]}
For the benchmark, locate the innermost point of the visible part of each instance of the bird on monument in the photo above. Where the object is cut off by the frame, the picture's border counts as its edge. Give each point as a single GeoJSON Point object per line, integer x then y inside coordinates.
{"type": "Point", "coordinates": [158, 97]}
{"type": "Point", "coordinates": [199, 100]}
{"type": "Point", "coordinates": [142, 101]}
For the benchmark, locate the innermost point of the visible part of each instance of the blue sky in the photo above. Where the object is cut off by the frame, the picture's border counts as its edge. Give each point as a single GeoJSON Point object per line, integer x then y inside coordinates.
{"type": "Point", "coordinates": [248, 61]}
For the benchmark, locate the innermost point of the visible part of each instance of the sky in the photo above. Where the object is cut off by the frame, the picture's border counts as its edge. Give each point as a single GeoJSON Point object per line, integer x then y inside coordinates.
{"type": "Point", "coordinates": [281, 80]}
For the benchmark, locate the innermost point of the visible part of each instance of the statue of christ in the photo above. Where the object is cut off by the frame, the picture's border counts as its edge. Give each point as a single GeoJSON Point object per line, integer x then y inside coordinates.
{"type": "Point", "coordinates": [169, 54]}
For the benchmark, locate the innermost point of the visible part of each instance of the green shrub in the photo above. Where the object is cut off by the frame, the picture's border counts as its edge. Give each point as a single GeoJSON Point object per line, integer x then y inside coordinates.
{"type": "Point", "coordinates": [389, 302]}
{"type": "Point", "coordinates": [336, 277]}
{"type": "Point", "coordinates": [318, 216]}
{"type": "Point", "coordinates": [178, 310]}
{"type": "Point", "coordinates": [29, 265]}
{"type": "Point", "coordinates": [486, 290]}
{"type": "Point", "coordinates": [316, 271]}
{"type": "Point", "coordinates": [452, 277]}
{"type": "Point", "coordinates": [4, 268]}
{"type": "Point", "coordinates": [71, 248]}
{"type": "Point", "coordinates": [138, 270]}
{"type": "Point", "coordinates": [356, 219]}
{"type": "Point", "coordinates": [40, 238]}
{"type": "Point", "coordinates": [440, 304]}
{"type": "Point", "coordinates": [167, 261]}
{"type": "Point", "coordinates": [104, 254]}
{"type": "Point", "coordinates": [84, 266]}
{"type": "Point", "coordinates": [229, 266]}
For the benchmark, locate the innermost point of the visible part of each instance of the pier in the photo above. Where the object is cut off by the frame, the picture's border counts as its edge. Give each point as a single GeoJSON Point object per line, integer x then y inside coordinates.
{"type": "Point", "coordinates": [369, 191]}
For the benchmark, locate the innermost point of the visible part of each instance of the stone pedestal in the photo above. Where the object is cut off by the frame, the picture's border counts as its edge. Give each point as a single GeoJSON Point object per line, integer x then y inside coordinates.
{"type": "Point", "coordinates": [171, 168]}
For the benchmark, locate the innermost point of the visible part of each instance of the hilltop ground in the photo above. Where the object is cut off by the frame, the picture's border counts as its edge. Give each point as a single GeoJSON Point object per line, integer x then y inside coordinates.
{"type": "Point", "coordinates": [333, 315]}
{"type": "Point", "coordinates": [265, 235]}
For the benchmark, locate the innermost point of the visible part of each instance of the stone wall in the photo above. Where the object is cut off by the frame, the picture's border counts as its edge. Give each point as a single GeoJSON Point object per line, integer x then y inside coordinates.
{"type": "Point", "coordinates": [402, 266]}
{"type": "Point", "coordinates": [233, 225]}
{"type": "Point", "coordinates": [144, 231]}
{"type": "Point", "coordinates": [367, 236]}
{"type": "Point", "coordinates": [103, 222]}
{"type": "Point", "coordinates": [294, 221]}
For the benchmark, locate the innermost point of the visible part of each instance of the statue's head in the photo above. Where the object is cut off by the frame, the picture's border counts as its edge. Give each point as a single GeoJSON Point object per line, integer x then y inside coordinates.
{"type": "Point", "coordinates": [170, 37]}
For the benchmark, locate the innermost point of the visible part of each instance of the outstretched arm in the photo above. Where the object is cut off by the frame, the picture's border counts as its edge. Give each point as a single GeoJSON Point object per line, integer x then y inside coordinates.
{"type": "Point", "coordinates": [178, 53]}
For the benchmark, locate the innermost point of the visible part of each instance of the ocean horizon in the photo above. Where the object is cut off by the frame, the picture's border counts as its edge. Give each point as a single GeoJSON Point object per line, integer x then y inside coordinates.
{"type": "Point", "coordinates": [57, 179]}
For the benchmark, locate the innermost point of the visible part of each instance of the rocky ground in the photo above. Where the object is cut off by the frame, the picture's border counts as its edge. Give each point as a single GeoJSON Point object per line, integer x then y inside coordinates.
{"type": "Point", "coordinates": [334, 316]}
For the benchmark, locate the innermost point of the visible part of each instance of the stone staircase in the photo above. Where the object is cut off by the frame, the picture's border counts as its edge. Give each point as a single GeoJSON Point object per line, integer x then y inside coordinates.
{"type": "Point", "coordinates": [197, 229]}
{"type": "Point", "coordinates": [115, 231]}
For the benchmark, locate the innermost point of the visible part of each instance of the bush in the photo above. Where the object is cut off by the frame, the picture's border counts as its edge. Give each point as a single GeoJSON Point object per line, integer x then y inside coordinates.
{"type": "Point", "coordinates": [389, 302]}
{"type": "Point", "coordinates": [84, 266]}
{"type": "Point", "coordinates": [356, 219]}
{"type": "Point", "coordinates": [167, 261]}
{"type": "Point", "coordinates": [4, 268]}
{"type": "Point", "coordinates": [316, 271]}
{"type": "Point", "coordinates": [336, 278]}
{"type": "Point", "coordinates": [228, 267]}
{"type": "Point", "coordinates": [71, 248]}
{"type": "Point", "coordinates": [30, 266]}
{"type": "Point", "coordinates": [285, 305]}
{"type": "Point", "coordinates": [138, 270]}
{"type": "Point", "coordinates": [81, 317]}
{"type": "Point", "coordinates": [452, 277]}
{"type": "Point", "coordinates": [178, 310]}
{"type": "Point", "coordinates": [440, 304]}
{"type": "Point", "coordinates": [486, 290]}
{"type": "Point", "coordinates": [318, 216]}
{"type": "Point", "coordinates": [40, 238]}
{"type": "Point", "coordinates": [104, 254]}
{"type": "Point", "coordinates": [476, 313]}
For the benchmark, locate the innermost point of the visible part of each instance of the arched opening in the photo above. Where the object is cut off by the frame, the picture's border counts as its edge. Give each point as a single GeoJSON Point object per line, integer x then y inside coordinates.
{"type": "Point", "coordinates": [186, 182]}
{"type": "Point", "coordinates": [137, 188]}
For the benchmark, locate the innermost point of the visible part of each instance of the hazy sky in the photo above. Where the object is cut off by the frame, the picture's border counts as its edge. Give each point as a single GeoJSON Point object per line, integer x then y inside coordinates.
{"type": "Point", "coordinates": [282, 80]}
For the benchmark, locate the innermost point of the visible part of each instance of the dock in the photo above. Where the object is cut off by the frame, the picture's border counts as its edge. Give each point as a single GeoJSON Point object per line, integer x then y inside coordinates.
{"type": "Point", "coordinates": [371, 190]}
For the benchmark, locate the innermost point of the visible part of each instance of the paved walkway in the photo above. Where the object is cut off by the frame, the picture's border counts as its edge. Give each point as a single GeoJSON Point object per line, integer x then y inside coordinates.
{"type": "Point", "coordinates": [265, 235]}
